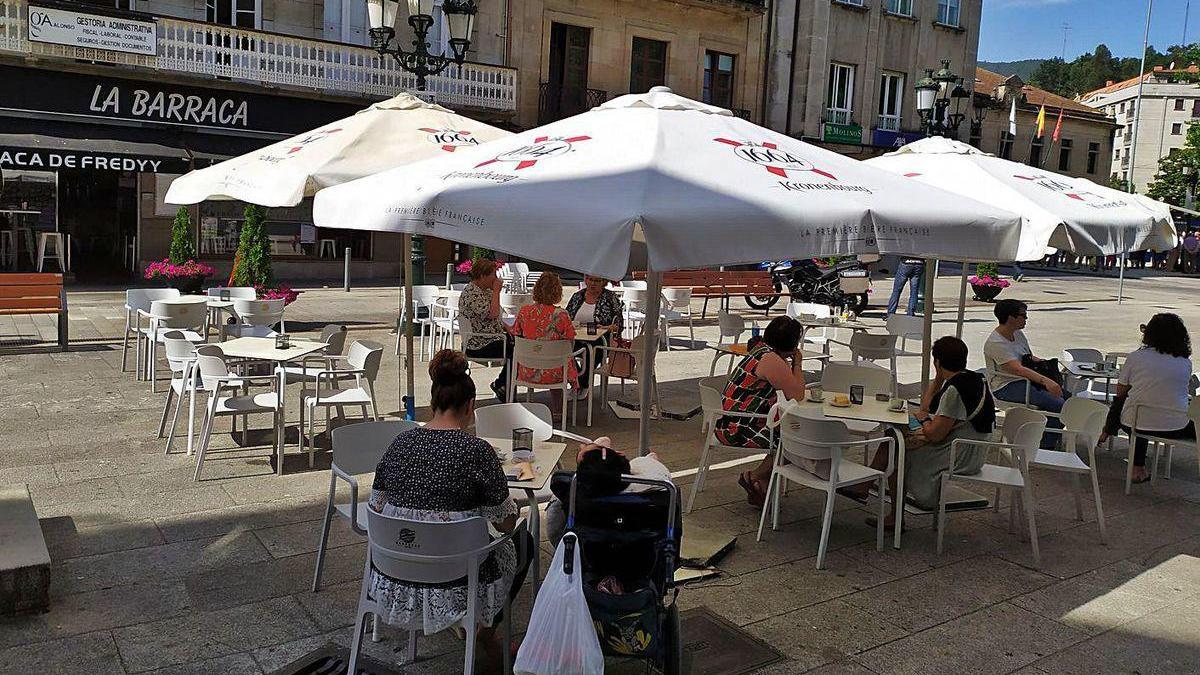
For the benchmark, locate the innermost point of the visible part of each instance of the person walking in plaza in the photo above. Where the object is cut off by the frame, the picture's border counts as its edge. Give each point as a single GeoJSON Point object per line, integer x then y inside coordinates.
{"type": "Point", "coordinates": [1008, 358]}
{"type": "Point", "coordinates": [1152, 389]}
{"type": "Point", "coordinates": [910, 271]}
{"type": "Point", "coordinates": [1188, 250]}
{"type": "Point", "coordinates": [480, 305]}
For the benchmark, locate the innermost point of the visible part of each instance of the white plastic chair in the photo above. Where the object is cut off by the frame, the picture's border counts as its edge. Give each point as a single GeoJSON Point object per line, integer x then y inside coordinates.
{"type": "Point", "coordinates": [677, 306]}
{"type": "Point", "coordinates": [181, 357]}
{"type": "Point", "coordinates": [519, 272]}
{"type": "Point", "coordinates": [819, 337]}
{"type": "Point", "coordinates": [1083, 422]}
{"type": "Point", "coordinates": [363, 361]}
{"type": "Point", "coordinates": [334, 337]}
{"type": "Point", "coordinates": [231, 292]}
{"type": "Point", "coordinates": [445, 322]}
{"type": "Point", "coordinates": [634, 283]}
{"type": "Point", "coordinates": [255, 318]}
{"type": "Point", "coordinates": [137, 303]}
{"type": "Point", "coordinates": [433, 553]}
{"type": "Point", "coordinates": [357, 449]}
{"type": "Point", "coordinates": [635, 308]}
{"type": "Point", "coordinates": [731, 326]}
{"type": "Point", "coordinates": [511, 303]}
{"type": "Point", "coordinates": [1160, 443]}
{"type": "Point", "coordinates": [1003, 405]}
{"type": "Point", "coordinates": [712, 395]}
{"type": "Point", "coordinates": [808, 435]}
{"type": "Point", "coordinates": [423, 298]}
{"type": "Point", "coordinates": [189, 318]}
{"type": "Point", "coordinates": [1021, 434]}
{"type": "Point", "coordinates": [544, 355]}
{"type": "Point", "coordinates": [216, 379]}
{"type": "Point", "coordinates": [906, 328]}
{"type": "Point", "coordinates": [1083, 387]}
{"type": "Point", "coordinates": [839, 375]}
{"type": "Point", "coordinates": [871, 347]}
{"type": "Point", "coordinates": [466, 332]}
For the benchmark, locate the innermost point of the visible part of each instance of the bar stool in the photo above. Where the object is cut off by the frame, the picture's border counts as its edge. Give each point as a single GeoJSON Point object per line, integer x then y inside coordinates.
{"type": "Point", "coordinates": [327, 244]}
{"type": "Point", "coordinates": [60, 253]}
{"type": "Point", "coordinates": [8, 248]}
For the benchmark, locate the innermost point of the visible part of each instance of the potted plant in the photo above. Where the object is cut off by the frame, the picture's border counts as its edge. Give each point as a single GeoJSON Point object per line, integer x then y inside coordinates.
{"type": "Point", "coordinates": [188, 277]}
{"type": "Point", "coordinates": [287, 293]}
{"type": "Point", "coordinates": [986, 282]}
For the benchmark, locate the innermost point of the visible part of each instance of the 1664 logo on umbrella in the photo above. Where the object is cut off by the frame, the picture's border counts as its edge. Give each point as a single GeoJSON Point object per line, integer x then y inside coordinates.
{"type": "Point", "coordinates": [543, 147]}
{"type": "Point", "coordinates": [450, 139]}
{"type": "Point", "coordinates": [775, 160]}
{"type": "Point", "coordinates": [1070, 191]}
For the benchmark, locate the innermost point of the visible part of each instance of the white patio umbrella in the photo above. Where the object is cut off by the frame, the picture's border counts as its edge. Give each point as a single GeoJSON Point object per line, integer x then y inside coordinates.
{"type": "Point", "coordinates": [390, 133]}
{"type": "Point", "coordinates": [683, 183]}
{"type": "Point", "coordinates": [387, 134]}
{"type": "Point", "coordinates": [1057, 211]}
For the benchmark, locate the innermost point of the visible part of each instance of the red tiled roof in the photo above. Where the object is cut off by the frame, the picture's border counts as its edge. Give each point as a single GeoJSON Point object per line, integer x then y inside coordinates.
{"type": "Point", "coordinates": [1158, 70]}
{"type": "Point", "coordinates": [986, 83]}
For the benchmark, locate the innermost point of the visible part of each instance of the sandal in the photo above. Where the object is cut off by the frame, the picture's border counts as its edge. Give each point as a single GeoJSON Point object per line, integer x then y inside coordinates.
{"type": "Point", "coordinates": [756, 494]}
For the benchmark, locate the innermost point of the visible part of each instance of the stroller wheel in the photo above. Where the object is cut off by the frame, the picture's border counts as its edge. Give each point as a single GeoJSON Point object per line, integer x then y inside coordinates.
{"type": "Point", "coordinates": [672, 643]}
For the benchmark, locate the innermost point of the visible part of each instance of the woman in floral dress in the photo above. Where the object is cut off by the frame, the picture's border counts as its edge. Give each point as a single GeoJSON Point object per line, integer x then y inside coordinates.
{"type": "Point", "coordinates": [545, 320]}
{"type": "Point", "coordinates": [442, 473]}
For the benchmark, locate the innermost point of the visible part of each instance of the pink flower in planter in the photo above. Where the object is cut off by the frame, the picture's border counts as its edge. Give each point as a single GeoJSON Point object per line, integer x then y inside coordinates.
{"type": "Point", "coordinates": [163, 269]}
{"type": "Point", "coordinates": [286, 293]}
{"type": "Point", "coordinates": [464, 267]}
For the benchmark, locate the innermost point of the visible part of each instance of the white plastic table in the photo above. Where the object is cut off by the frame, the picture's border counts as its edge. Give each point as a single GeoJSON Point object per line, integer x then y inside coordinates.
{"type": "Point", "coordinates": [546, 455]}
{"type": "Point", "coordinates": [1094, 371]}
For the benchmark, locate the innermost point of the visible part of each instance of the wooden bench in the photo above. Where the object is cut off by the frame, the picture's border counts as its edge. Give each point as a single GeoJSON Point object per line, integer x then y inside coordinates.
{"type": "Point", "coordinates": [35, 294]}
{"type": "Point", "coordinates": [720, 284]}
{"type": "Point", "coordinates": [24, 559]}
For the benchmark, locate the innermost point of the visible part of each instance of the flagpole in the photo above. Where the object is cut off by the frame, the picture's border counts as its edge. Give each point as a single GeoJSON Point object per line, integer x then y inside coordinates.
{"type": "Point", "coordinates": [1137, 123]}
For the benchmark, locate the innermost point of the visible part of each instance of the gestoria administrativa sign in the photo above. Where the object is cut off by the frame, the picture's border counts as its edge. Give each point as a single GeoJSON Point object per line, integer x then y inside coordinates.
{"type": "Point", "coordinates": [80, 29]}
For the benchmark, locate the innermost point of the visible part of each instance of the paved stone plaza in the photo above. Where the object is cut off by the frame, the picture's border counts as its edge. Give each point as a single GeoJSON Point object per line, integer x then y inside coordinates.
{"type": "Point", "coordinates": [156, 573]}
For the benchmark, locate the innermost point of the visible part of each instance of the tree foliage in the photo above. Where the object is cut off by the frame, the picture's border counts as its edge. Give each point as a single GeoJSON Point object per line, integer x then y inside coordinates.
{"type": "Point", "coordinates": [254, 251]}
{"type": "Point", "coordinates": [1094, 69]}
{"type": "Point", "coordinates": [182, 248]}
{"type": "Point", "coordinates": [1170, 183]}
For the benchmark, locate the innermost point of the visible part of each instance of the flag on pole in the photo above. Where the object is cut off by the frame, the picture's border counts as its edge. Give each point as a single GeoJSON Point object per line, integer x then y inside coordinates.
{"type": "Point", "coordinates": [1057, 127]}
{"type": "Point", "coordinates": [1012, 119]}
{"type": "Point", "coordinates": [1041, 122]}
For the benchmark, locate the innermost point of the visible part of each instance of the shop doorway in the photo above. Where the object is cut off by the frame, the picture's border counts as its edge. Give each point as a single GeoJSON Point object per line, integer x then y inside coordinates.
{"type": "Point", "coordinates": [99, 210]}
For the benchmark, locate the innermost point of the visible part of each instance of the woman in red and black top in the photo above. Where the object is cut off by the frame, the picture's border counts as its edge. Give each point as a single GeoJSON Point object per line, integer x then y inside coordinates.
{"type": "Point", "coordinates": [772, 364]}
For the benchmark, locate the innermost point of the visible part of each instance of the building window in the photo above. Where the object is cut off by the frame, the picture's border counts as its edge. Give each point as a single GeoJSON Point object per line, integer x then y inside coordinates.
{"type": "Point", "coordinates": [1093, 157]}
{"type": "Point", "coordinates": [718, 79]}
{"type": "Point", "coordinates": [1006, 144]}
{"type": "Point", "coordinates": [1195, 108]}
{"type": "Point", "coordinates": [240, 13]}
{"type": "Point", "coordinates": [841, 93]}
{"type": "Point", "coordinates": [1035, 152]}
{"type": "Point", "coordinates": [114, 4]}
{"type": "Point", "coordinates": [1176, 129]}
{"type": "Point", "coordinates": [1179, 104]}
{"type": "Point", "coordinates": [948, 12]}
{"type": "Point", "coordinates": [902, 7]}
{"type": "Point", "coordinates": [647, 64]}
{"type": "Point", "coordinates": [891, 100]}
{"type": "Point", "coordinates": [1064, 154]}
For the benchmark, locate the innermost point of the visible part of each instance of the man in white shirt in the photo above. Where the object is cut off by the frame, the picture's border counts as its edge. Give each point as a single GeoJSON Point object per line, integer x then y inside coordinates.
{"type": "Point", "coordinates": [1011, 381]}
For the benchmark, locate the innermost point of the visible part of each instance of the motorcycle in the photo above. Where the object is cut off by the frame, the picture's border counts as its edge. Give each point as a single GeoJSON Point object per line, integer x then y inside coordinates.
{"type": "Point", "coordinates": [844, 285]}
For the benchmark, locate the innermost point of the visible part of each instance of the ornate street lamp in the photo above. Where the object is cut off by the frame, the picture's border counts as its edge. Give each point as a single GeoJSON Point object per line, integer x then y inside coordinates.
{"type": "Point", "coordinates": [940, 97]}
{"type": "Point", "coordinates": [460, 14]}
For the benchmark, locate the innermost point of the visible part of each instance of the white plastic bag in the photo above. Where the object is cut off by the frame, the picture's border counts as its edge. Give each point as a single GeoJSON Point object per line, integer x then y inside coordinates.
{"type": "Point", "coordinates": [561, 637]}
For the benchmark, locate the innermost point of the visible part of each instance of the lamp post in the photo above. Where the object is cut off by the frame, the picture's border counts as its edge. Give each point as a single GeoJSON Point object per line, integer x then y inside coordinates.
{"type": "Point", "coordinates": [460, 14]}
{"type": "Point", "coordinates": [940, 97]}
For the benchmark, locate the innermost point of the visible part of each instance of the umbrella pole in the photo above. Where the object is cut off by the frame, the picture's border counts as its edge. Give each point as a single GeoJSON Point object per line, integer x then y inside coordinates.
{"type": "Point", "coordinates": [1121, 276]}
{"type": "Point", "coordinates": [962, 301]}
{"type": "Point", "coordinates": [406, 252]}
{"type": "Point", "coordinates": [927, 333]}
{"type": "Point", "coordinates": [646, 384]}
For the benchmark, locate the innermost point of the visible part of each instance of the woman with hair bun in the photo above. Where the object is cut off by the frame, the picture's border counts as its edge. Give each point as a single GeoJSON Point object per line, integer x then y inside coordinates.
{"type": "Point", "coordinates": [442, 473]}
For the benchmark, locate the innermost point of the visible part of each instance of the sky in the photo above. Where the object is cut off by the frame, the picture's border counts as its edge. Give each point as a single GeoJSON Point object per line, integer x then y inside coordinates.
{"type": "Point", "coordinates": [1011, 30]}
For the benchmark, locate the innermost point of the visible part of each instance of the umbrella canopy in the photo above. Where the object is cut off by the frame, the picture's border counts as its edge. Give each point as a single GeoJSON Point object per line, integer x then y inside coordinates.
{"type": "Point", "coordinates": [691, 183]}
{"type": "Point", "coordinates": [1057, 211]}
{"type": "Point", "coordinates": [397, 131]}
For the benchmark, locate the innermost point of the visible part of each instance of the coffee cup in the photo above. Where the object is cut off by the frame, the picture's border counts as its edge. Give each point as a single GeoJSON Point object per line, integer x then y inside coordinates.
{"type": "Point", "coordinates": [815, 394]}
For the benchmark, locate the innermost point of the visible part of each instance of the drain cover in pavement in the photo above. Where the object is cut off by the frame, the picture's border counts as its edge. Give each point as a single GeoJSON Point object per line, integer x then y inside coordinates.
{"type": "Point", "coordinates": [333, 660]}
{"type": "Point", "coordinates": [713, 646]}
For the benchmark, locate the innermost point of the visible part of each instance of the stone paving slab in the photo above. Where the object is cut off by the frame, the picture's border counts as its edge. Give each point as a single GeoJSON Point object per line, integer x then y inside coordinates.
{"type": "Point", "coordinates": [156, 573]}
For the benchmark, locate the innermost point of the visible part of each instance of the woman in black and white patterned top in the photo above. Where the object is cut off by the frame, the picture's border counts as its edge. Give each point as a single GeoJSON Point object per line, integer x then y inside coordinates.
{"type": "Point", "coordinates": [442, 473]}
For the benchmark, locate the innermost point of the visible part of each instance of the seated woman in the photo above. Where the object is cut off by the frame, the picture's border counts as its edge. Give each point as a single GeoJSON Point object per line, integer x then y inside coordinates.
{"type": "Point", "coordinates": [480, 305]}
{"type": "Point", "coordinates": [1006, 353]}
{"type": "Point", "coordinates": [1153, 386]}
{"type": "Point", "coordinates": [596, 304]}
{"type": "Point", "coordinates": [442, 473]}
{"type": "Point", "coordinates": [773, 364]}
{"type": "Point", "coordinates": [545, 320]}
{"type": "Point", "coordinates": [957, 404]}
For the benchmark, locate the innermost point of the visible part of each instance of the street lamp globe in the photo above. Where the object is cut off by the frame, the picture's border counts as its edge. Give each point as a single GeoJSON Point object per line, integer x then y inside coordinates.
{"type": "Point", "coordinates": [461, 16]}
{"type": "Point", "coordinates": [382, 16]}
{"type": "Point", "coordinates": [420, 61]}
{"type": "Point", "coordinates": [927, 91]}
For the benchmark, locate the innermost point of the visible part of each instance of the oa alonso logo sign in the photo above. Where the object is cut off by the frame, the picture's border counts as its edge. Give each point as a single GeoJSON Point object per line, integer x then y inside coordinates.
{"type": "Point", "coordinates": [770, 157]}
{"type": "Point", "coordinates": [449, 139]}
{"type": "Point", "coordinates": [543, 147]}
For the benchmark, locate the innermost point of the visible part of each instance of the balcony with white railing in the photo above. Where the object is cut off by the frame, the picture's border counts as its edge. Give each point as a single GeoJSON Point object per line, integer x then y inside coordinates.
{"type": "Point", "coordinates": [258, 57]}
{"type": "Point", "coordinates": [837, 115]}
{"type": "Point", "coordinates": [888, 123]}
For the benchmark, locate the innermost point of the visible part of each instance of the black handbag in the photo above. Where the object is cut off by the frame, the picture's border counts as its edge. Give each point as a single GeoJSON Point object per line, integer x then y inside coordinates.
{"type": "Point", "coordinates": [1045, 367]}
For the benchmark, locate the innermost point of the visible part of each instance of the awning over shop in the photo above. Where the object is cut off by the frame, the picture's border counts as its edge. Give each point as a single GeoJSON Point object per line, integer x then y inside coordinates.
{"type": "Point", "coordinates": [51, 153]}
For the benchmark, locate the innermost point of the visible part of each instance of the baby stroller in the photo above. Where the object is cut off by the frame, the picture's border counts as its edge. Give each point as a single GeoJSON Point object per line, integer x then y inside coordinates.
{"type": "Point", "coordinates": [630, 549]}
